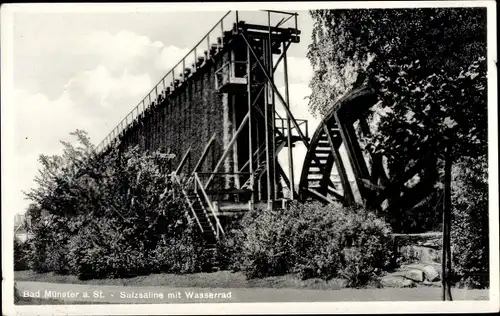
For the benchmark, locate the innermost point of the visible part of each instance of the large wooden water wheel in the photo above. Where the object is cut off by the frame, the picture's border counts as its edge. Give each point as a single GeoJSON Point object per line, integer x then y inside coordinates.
{"type": "Point", "coordinates": [327, 166]}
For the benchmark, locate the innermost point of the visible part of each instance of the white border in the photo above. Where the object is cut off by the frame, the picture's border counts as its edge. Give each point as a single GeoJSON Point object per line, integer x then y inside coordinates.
{"type": "Point", "coordinates": [8, 160]}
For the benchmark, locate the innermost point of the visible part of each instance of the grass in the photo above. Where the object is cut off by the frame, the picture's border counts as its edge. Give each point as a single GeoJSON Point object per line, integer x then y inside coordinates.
{"type": "Point", "coordinates": [220, 279]}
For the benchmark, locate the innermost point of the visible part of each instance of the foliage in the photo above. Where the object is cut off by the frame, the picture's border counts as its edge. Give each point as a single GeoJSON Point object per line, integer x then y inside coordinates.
{"type": "Point", "coordinates": [427, 113]}
{"type": "Point", "coordinates": [470, 231]}
{"type": "Point", "coordinates": [108, 215]}
{"type": "Point", "coordinates": [20, 255]}
{"type": "Point", "coordinates": [229, 248]}
{"type": "Point", "coordinates": [313, 241]}
{"type": "Point", "coordinates": [350, 46]}
{"type": "Point", "coordinates": [428, 68]}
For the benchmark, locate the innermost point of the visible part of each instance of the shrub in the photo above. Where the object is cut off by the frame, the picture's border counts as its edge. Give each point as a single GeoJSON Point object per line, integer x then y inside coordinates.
{"type": "Point", "coordinates": [228, 249]}
{"type": "Point", "coordinates": [20, 255]}
{"type": "Point", "coordinates": [114, 215]}
{"type": "Point", "coordinates": [469, 233]}
{"type": "Point", "coordinates": [180, 254]}
{"type": "Point", "coordinates": [47, 247]}
{"type": "Point", "coordinates": [314, 241]}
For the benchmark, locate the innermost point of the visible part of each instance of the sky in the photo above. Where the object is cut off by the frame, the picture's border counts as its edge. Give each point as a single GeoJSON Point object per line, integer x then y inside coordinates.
{"type": "Point", "coordinates": [88, 70]}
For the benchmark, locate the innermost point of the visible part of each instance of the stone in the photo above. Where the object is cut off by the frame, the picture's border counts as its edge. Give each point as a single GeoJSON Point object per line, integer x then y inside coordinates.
{"type": "Point", "coordinates": [415, 275]}
{"type": "Point", "coordinates": [433, 243]}
{"type": "Point", "coordinates": [395, 281]}
{"type": "Point", "coordinates": [435, 284]}
{"type": "Point", "coordinates": [430, 273]}
{"type": "Point", "coordinates": [422, 267]}
{"type": "Point", "coordinates": [420, 254]}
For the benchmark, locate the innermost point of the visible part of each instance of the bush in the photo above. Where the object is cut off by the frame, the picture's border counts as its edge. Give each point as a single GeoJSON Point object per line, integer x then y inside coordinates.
{"type": "Point", "coordinates": [180, 254]}
{"type": "Point", "coordinates": [114, 215]}
{"type": "Point", "coordinates": [47, 247]}
{"type": "Point", "coordinates": [314, 241]}
{"type": "Point", "coordinates": [469, 232]}
{"type": "Point", "coordinates": [228, 248]}
{"type": "Point", "coordinates": [20, 255]}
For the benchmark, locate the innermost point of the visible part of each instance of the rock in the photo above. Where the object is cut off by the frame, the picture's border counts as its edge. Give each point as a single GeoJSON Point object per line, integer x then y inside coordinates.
{"type": "Point", "coordinates": [433, 243]}
{"type": "Point", "coordinates": [420, 254]}
{"type": "Point", "coordinates": [395, 281]}
{"type": "Point", "coordinates": [430, 269]}
{"type": "Point", "coordinates": [430, 273]}
{"type": "Point", "coordinates": [428, 283]}
{"type": "Point", "coordinates": [415, 275]}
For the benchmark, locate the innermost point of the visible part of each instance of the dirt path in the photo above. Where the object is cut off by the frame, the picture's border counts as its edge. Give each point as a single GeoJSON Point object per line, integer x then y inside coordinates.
{"type": "Point", "coordinates": [159, 295]}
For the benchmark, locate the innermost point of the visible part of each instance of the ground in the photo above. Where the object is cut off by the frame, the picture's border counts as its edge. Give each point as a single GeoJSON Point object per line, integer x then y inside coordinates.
{"type": "Point", "coordinates": [224, 287]}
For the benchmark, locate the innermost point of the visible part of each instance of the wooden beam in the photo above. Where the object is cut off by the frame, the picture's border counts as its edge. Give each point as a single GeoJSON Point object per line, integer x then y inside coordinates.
{"type": "Point", "coordinates": [446, 251]}
{"type": "Point", "coordinates": [346, 185]}
{"type": "Point", "coordinates": [396, 185]}
{"type": "Point", "coordinates": [285, 48]}
{"type": "Point", "coordinates": [287, 181]}
{"type": "Point", "coordinates": [371, 186]}
{"type": "Point", "coordinates": [228, 149]}
{"type": "Point", "coordinates": [280, 97]}
{"type": "Point", "coordinates": [235, 147]}
{"type": "Point", "coordinates": [183, 161]}
{"type": "Point", "coordinates": [335, 193]}
{"type": "Point", "coordinates": [316, 193]}
{"type": "Point", "coordinates": [288, 123]}
{"type": "Point", "coordinates": [204, 153]}
{"type": "Point", "coordinates": [355, 155]}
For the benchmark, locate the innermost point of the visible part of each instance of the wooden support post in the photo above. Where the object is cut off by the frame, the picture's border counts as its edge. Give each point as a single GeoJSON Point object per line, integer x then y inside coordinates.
{"type": "Point", "coordinates": [269, 137]}
{"type": "Point", "coordinates": [155, 126]}
{"type": "Point", "coordinates": [272, 104]}
{"type": "Point", "coordinates": [288, 124]}
{"type": "Point", "coordinates": [222, 32]}
{"type": "Point", "coordinates": [235, 147]}
{"type": "Point", "coordinates": [227, 131]}
{"type": "Point", "coordinates": [250, 123]}
{"type": "Point", "coordinates": [287, 181]}
{"type": "Point", "coordinates": [226, 152]}
{"type": "Point", "coordinates": [446, 252]}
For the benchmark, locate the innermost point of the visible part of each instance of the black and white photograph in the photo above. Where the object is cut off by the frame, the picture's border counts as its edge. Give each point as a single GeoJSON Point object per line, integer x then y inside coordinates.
{"type": "Point", "coordinates": [214, 158]}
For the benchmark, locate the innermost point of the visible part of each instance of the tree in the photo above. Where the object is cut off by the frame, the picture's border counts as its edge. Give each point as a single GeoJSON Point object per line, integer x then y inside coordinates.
{"type": "Point", "coordinates": [109, 215]}
{"type": "Point", "coordinates": [428, 67]}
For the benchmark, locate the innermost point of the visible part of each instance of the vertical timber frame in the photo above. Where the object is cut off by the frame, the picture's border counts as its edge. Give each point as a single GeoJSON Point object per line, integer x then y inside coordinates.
{"type": "Point", "coordinates": [268, 116]}
{"type": "Point", "coordinates": [268, 68]}
{"type": "Point", "coordinates": [275, 176]}
{"type": "Point", "coordinates": [165, 102]}
{"type": "Point", "coordinates": [250, 135]}
{"type": "Point", "coordinates": [288, 123]}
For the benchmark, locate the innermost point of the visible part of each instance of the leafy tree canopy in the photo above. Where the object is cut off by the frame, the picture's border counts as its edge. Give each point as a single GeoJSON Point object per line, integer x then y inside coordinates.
{"type": "Point", "coordinates": [428, 65]}
{"type": "Point", "coordinates": [428, 68]}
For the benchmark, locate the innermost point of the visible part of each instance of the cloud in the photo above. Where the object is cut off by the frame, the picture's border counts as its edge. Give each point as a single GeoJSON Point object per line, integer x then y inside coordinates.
{"type": "Point", "coordinates": [99, 89]}
{"type": "Point", "coordinates": [171, 55]}
{"type": "Point", "coordinates": [95, 99]}
{"type": "Point", "coordinates": [107, 75]}
{"type": "Point", "coordinates": [132, 51]}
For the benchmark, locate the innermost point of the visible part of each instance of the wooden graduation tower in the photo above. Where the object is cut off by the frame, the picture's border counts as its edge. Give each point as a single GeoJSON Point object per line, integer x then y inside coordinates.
{"type": "Point", "coordinates": [216, 110]}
